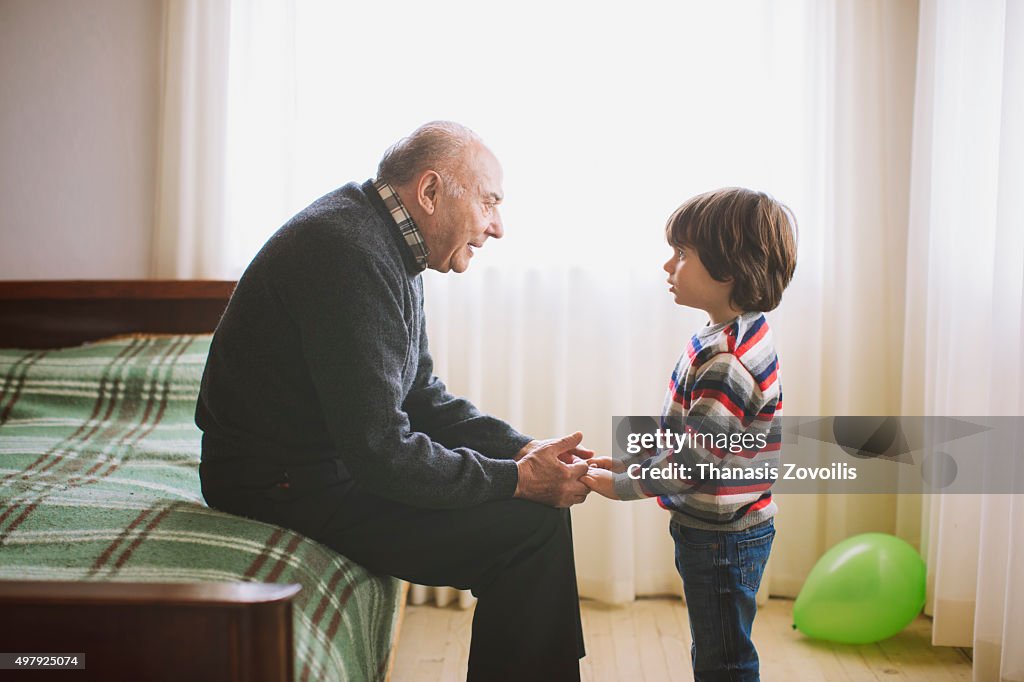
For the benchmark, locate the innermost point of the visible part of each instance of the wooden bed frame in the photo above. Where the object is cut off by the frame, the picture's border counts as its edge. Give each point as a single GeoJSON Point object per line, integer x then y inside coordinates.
{"type": "Point", "coordinates": [153, 631]}
{"type": "Point", "coordinates": [207, 631]}
{"type": "Point", "coordinates": [56, 314]}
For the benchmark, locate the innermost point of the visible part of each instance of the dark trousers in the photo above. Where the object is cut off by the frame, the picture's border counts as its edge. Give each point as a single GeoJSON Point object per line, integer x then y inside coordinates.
{"type": "Point", "coordinates": [516, 556]}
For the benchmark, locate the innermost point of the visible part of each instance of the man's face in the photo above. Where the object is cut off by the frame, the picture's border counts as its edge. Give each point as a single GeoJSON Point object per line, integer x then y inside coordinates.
{"type": "Point", "coordinates": [462, 224]}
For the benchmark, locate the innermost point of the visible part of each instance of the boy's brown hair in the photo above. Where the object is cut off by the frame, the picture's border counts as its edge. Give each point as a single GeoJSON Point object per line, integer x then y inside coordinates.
{"type": "Point", "coordinates": [740, 235]}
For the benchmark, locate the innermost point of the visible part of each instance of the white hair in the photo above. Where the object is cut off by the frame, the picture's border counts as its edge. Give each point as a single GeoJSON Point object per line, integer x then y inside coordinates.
{"type": "Point", "coordinates": [439, 146]}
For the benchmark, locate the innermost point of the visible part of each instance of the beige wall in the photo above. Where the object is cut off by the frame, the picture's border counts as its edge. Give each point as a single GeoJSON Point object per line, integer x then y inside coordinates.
{"type": "Point", "coordinates": [79, 89]}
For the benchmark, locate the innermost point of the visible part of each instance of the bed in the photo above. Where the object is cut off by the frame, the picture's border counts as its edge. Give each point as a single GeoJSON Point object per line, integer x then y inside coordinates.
{"type": "Point", "coordinates": [104, 537]}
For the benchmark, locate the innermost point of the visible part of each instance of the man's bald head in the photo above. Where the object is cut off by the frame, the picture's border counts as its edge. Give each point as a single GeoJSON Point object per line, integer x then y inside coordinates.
{"type": "Point", "coordinates": [450, 183]}
{"type": "Point", "coordinates": [441, 146]}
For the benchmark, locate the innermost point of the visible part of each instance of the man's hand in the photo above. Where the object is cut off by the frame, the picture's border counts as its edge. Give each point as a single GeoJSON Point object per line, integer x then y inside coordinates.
{"type": "Point", "coordinates": [577, 454]}
{"type": "Point", "coordinates": [550, 472]}
{"type": "Point", "coordinates": [600, 476]}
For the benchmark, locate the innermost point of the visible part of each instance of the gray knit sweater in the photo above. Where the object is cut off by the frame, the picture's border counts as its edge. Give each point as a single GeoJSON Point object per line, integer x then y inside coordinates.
{"type": "Point", "coordinates": [322, 354]}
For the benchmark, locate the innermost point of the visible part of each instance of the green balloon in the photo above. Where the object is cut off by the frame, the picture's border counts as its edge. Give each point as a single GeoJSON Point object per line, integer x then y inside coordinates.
{"type": "Point", "coordinates": [865, 589]}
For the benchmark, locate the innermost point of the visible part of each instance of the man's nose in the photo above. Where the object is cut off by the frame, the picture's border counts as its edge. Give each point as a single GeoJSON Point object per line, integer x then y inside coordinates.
{"type": "Point", "coordinates": [496, 229]}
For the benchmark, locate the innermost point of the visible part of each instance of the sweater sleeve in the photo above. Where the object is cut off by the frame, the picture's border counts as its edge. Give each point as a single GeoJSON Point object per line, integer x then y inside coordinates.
{"type": "Point", "coordinates": [356, 347]}
{"type": "Point", "coordinates": [723, 396]}
{"type": "Point", "coordinates": [453, 421]}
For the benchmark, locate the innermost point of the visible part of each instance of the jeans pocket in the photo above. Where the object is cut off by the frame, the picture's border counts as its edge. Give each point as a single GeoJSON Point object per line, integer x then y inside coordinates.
{"type": "Point", "coordinates": [693, 538]}
{"type": "Point", "coordinates": [696, 551]}
{"type": "Point", "coordinates": [753, 554]}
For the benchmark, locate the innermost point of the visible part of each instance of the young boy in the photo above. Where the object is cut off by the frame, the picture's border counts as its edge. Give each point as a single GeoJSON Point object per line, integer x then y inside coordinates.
{"type": "Point", "coordinates": [734, 252]}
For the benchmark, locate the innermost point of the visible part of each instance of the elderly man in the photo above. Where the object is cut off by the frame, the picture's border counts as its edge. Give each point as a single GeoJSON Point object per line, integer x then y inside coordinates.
{"type": "Point", "coordinates": [320, 411]}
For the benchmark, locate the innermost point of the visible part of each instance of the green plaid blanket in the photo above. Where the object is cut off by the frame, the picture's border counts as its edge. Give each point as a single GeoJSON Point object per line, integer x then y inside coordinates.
{"type": "Point", "coordinates": [99, 481]}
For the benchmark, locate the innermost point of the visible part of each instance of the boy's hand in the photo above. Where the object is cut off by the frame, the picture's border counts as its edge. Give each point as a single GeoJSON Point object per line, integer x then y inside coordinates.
{"type": "Point", "coordinates": [616, 466]}
{"type": "Point", "coordinates": [600, 478]}
{"type": "Point", "coordinates": [577, 454]}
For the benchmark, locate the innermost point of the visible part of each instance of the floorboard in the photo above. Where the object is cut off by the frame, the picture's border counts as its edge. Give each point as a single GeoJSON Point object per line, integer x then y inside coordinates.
{"type": "Point", "coordinates": [649, 640]}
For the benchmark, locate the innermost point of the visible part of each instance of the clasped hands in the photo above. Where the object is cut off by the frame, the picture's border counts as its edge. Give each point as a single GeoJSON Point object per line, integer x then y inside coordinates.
{"type": "Point", "coordinates": [560, 472]}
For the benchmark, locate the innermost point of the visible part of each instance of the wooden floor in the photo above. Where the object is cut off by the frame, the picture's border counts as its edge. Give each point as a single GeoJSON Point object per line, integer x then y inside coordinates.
{"type": "Point", "coordinates": [650, 640]}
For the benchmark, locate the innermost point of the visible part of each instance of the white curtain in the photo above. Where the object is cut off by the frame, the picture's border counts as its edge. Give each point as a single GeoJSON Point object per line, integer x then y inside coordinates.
{"type": "Point", "coordinates": [188, 242]}
{"type": "Point", "coordinates": [807, 100]}
{"type": "Point", "coordinates": [966, 294]}
{"type": "Point", "coordinates": [605, 118]}
{"type": "Point", "coordinates": [848, 69]}
{"type": "Point", "coordinates": [611, 117]}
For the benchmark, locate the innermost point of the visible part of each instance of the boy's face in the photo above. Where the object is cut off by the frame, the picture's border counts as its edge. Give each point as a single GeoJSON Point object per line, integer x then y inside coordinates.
{"type": "Point", "coordinates": [692, 286]}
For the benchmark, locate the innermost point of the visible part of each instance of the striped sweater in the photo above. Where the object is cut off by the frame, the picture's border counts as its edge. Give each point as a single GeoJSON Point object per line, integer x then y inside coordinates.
{"type": "Point", "coordinates": [726, 397]}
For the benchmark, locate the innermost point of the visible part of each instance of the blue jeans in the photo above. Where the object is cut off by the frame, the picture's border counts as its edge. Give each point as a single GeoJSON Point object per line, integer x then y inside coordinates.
{"type": "Point", "coordinates": [721, 572]}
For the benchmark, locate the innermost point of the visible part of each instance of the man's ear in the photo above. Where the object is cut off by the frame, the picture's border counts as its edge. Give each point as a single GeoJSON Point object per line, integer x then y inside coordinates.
{"type": "Point", "coordinates": [427, 191]}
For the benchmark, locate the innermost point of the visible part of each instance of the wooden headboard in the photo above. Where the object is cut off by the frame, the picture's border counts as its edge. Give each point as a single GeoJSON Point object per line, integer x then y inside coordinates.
{"type": "Point", "coordinates": [54, 314]}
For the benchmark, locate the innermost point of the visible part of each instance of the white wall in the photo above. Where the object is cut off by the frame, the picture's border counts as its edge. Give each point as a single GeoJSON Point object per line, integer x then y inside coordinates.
{"type": "Point", "coordinates": [79, 91]}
